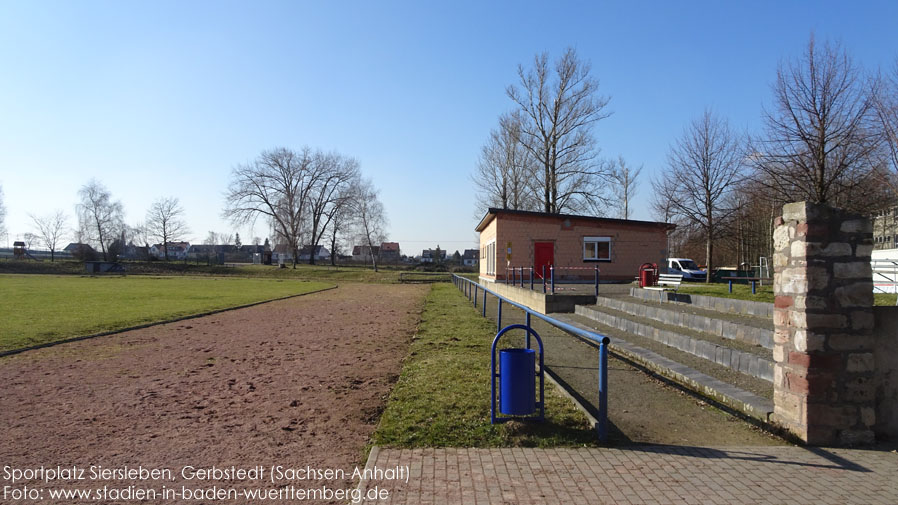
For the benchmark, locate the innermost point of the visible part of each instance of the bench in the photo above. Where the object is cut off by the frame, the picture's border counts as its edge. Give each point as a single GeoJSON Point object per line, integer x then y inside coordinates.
{"type": "Point", "coordinates": [752, 280]}
{"type": "Point", "coordinates": [666, 282]}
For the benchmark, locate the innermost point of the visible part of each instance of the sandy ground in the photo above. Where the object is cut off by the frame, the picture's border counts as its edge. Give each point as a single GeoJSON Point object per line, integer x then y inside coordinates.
{"type": "Point", "coordinates": [299, 383]}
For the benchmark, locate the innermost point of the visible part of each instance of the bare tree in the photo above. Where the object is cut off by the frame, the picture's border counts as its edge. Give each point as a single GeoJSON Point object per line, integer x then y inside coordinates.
{"type": "Point", "coordinates": [165, 223]}
{"type": "Point", "coordinates": [369, 217]}
{"type": "Point", "coordinates": [504, 176]}
{"type": "Point", "coordinates": [821, 143]}
{"type": "Point", "coordinates": [51, 229]}
{"type": "Point", "coordinates": [99, 218]}
{"type": "Point", "coordinates": [886, 103]}
{"type": "Point", "coordinates": [276, 185]}
{"type": "Point", "coordinates": [332, 177]}
{"type": "Point", "coordinates": [560, 107]}
{"type": "Point", "coordinates": [703, 168]}
{"type": "Point", "coordinates": [626, 181]}
{"type": "Point", "coordinates": [2, 213]}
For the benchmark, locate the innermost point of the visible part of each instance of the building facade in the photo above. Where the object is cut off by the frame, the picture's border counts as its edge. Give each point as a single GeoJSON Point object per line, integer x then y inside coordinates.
{"type": "Point", "coordinates": [573, 245]}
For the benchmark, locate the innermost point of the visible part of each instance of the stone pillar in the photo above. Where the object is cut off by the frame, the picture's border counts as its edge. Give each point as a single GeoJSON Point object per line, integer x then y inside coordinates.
{"type": "Point", "coordinates": [823, 383]}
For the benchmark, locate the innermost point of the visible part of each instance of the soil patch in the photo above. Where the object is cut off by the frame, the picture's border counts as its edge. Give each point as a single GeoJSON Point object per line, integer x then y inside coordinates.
{"type": "Point", "coordinates": [298, 382]}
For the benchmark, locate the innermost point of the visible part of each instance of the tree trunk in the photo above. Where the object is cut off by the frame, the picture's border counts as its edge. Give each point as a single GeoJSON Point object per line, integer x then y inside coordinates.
{"type": "Point", "coordinates": [709, 250]}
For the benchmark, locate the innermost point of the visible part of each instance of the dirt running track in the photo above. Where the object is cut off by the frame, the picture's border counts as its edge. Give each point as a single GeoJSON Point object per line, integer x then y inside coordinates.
{"type": "Point", "coordinates": [298, 382]}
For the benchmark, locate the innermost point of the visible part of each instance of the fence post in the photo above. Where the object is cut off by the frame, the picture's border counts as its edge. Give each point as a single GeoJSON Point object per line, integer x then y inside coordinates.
{"type": "Point", "coordinates": [597, 282]}
{"type": "Point", "coordinates": [499, 316]}
{"type": "Point", "coordinates": [531, 278]}
{"type": "Point", "coordinates": [476, 294]}
{"type": "Point", "coordinates": [603, 389]}
{"type": "Point", "coordinates": [552, 275]}
{"type": "Point", "coordinates": [514, 280]}
{"type": "Point", "coordinates": [544, 279]}
{"type": "Point", "coordinates": [484, 302]}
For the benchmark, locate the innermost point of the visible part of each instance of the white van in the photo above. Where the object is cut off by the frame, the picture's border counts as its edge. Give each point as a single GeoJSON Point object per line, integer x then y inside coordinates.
{"type": "Point", "coordinates": [687, 268]}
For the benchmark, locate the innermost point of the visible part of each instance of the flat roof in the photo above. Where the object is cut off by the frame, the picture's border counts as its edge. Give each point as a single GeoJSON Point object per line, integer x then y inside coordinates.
{"type": "Point", "coordinates": [493, 212]}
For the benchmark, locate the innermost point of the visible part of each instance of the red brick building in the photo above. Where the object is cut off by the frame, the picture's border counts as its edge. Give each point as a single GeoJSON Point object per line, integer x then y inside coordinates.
{"type": "Point", "coordinates": [617, 246]}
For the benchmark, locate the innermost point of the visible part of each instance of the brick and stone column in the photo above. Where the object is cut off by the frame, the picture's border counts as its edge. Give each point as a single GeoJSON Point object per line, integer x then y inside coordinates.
{"type": "Point", "coordinates": [824, 390]}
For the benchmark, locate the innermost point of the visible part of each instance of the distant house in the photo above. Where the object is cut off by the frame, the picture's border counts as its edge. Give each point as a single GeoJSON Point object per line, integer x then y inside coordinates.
{"type": "Point", "coordinates": [176, 250]}
{"type": "Point", "coordinates": [470, 257]}
{"type": "Point", "coordinates": [321, 253]}
{"type": "Point", "coordinates": [135, 252]}
{"type": "Point", "coordinates": [80, 251]}
{"type": "Point", "coordinates": [282, 253]}
{"type": "Point", "coordinates": [389, 252]}
{"type": "Point", "coordinates": [428, 255]}
{"type": "Point", "coordinates": [363, 252]}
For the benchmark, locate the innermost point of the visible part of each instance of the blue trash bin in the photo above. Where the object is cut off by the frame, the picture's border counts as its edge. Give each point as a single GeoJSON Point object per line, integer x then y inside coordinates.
{"type": "Point", "coordinates": [517, 378]}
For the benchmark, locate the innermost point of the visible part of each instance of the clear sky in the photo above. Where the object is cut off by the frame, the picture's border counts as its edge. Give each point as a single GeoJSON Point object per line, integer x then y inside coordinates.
{"type": "Point", "coordinates": [163, 98]}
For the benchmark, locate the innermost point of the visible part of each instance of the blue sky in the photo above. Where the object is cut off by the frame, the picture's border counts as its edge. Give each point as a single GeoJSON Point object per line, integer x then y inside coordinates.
{"type": "Point", "coordinates": [163, 98]}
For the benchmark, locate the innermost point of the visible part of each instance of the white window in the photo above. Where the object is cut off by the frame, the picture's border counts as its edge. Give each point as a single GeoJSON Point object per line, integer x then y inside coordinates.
{"type": "Point", "coordinates": [596, 248]}
{"type": "Point", "coordinates": [490, 258]}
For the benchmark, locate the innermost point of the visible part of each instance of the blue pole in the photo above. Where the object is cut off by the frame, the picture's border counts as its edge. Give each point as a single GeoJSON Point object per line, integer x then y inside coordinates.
{"type": "Point", "coordinates": [476, 294]}
{"type": "Point", "coordinates": [552, 275]}
{"type": "Point", "coordinates": [499, 316]}
{"type": "Point", "coordinates": [544, 279]}
{"type": "Point", "coordinates": [752, 287]}
{"type": "Point", "coordinates": [484, 302]}
{"type": "Point", "coordinates": [603, 389]}
{"type": "Point", "coordinates": [528, 333]}
{"type": "Point", "coordinates": [522, 277]}
{"type": "Point", "coordinates": [531, 278]}
{"type": "Point", "coordinates": [730, 282]}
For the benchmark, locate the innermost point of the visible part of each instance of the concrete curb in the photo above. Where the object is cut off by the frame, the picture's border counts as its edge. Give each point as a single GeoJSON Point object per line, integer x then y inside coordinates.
{"type": "Point", "coordinates": [737, 399]}
{"type": "Point", "coordinates": [727, 329]}
{"type": "Point", "coordinates": [741, 361]}
{"type": "Point", "coordinates": [728, 305]}
{"type": "Point", "coordinates": [155, 323]}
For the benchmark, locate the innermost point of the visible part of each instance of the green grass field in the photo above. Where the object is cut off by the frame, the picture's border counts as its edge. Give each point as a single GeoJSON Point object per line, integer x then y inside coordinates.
{"type": "Point", "coordinates": [442, 398]}
{"type": "Point", "coordinates": [37, 309]}
{"type": "Point", "coordinates": [764, 293]}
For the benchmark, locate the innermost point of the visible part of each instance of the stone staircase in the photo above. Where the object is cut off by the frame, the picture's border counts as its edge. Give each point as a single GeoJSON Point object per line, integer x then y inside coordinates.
{"type": "Point", "coordinates": [721, 350]}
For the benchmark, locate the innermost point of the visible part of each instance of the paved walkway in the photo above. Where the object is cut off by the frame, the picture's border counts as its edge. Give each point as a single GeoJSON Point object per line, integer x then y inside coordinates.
{"type": "Point", "coordinates": [638, 474]}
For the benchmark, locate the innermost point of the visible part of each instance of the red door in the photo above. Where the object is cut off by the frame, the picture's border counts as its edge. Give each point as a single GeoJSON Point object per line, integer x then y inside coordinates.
{"type": "Point", "coordinates": [543, 256]}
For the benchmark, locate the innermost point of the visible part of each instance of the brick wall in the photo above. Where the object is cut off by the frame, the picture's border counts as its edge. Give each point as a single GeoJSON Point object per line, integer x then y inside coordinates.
{"type": "Point", "coordinates": [632, 244]}
{"type": "Point", "coordinates": [824, 384]}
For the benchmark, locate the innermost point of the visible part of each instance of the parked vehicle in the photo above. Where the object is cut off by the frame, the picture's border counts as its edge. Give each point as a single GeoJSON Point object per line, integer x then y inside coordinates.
{"type": "Point", "coordinates": [687, 268]}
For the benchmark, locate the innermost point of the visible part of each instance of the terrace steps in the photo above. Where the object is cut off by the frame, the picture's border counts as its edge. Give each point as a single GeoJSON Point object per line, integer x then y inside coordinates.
{"type": "Point", "coordinates": [717, 349]}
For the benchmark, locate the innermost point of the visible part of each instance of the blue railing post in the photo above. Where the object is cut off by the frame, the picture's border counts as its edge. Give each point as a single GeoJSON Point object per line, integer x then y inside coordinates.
{"type": "Point", "coordinates": [499, 316]}
{"type": "Point", "coordinates": [544, 279]}
{"type": "Point", "coordinates": [531, 278]}
{"type": "Point", "coordinates": [552, 275]}
{"type": "Point", "coordinates": [476, 294]}
{"type": "Point", "coordinates": [602, 425]}
{"type": "Point", "coordinates": [597, 282]}
{"type": "Point", "coordinates": [484, 302]}
{"type": "Point", "coordinates": [522, 277]}
{"type": "Point", "coordinates": [528, 333]}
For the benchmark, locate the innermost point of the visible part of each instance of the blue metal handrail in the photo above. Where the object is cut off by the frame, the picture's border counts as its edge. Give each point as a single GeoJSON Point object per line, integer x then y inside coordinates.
{"type": "Point", "coordinates": [468, 286]}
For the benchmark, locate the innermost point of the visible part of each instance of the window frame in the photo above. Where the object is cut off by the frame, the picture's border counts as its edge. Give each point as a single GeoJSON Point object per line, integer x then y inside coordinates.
{"type": "Point", "coordinates": [597, 240]}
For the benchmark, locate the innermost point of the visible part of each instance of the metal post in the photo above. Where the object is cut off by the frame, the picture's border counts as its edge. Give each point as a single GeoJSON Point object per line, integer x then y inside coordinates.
{"type": "Point", "coordinates": [544, 279]}
{"type": "Point", "coordinates": [528, 333]}
{"type": "Point", "coordinates": [531, 278]}
{"type": "Point", "coordinates": [731, 285]}
{"type": "Point", "coordinates": [597, 282]}
{"type": "Point", "coordinates": [484, 302]}
{"type": "Point", "coordinates": [514, 279]}
{"type": "Point", "coordinates": [603, 389]}
{"type": "Point", "coordinates": [499, 316]}
{"type": "Point", "coordinates": [552, 275]}
{"type": "Point", "coordinates": [752, 287]}
{"type": "Point", "coordinates": [476, 294]}
{"type": "Point", "coordinates": [522, 277]}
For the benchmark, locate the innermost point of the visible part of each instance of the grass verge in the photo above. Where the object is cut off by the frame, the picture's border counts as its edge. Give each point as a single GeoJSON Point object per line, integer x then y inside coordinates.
{"type": "Point", "coordinates": [442, 398]}
{"type": "Point", "coordinates": [764, 293]}
{"type": "Point", "coordinates": [39, 309]}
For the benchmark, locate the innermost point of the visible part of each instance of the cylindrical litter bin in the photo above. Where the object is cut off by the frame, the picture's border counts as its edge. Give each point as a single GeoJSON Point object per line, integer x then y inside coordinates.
{"type": "Point", "coordinates": [517, 390]}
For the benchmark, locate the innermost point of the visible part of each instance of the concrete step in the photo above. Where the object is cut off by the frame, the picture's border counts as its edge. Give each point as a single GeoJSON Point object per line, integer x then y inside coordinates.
{"type": "Point", "coordinates": [726, 305]}
{"type": "Point", "coordinates": [749, 329]}
{"type": "Point", "coordinates": [755, 362]}
{"type": "Point", "coordinates": [743, 401]}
